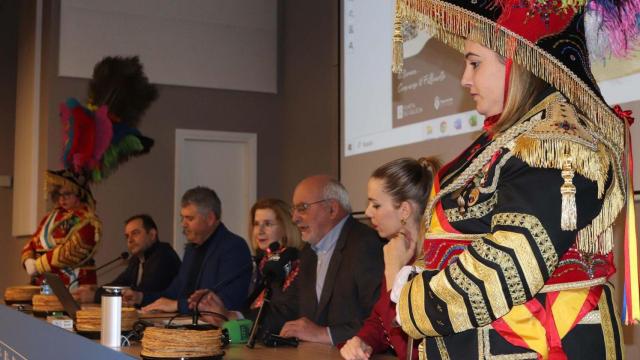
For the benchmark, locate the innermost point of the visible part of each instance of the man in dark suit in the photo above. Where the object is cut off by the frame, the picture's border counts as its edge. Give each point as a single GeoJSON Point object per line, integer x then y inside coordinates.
{"type": "Point", "coordinates": [341, 266]}
{"type": "Point", "coordinates": [215, 259]}
{"type": "Point", "coordinates": [152, 266]}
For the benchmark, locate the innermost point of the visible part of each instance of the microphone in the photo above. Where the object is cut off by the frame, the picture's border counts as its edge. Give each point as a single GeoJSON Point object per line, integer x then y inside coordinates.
{"type": "Point", "coordinates": [276, 269]}
{"type": "Point", "coordinates": [123, 256]}
{"type": "Point", "coordinates": [278, 264]}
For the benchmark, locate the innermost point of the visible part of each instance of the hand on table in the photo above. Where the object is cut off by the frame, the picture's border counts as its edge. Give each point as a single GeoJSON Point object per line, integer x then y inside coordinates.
{"type": "Point", "coordinates": [356, 349]}
{"type": "Point", "coordinates": [163, 305]}
{"type": "Point", "coordinates": [131, 297]}
{"type": "Point", "coordinates": [307, 330]}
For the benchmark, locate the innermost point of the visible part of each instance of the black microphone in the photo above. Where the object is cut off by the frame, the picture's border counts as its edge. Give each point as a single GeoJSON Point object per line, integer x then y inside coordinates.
{"type": "Point", "coordinates": [275, 270]}
{"type": "Point", "coordinates": [260, 282]}
{"type": "Point", "coordinates": [279, 264]}
{"type": "Point", "coordinates": [123, 256]}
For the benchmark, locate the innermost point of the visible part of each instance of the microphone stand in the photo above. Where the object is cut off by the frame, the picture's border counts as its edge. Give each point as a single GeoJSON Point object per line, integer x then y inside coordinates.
{"type": "Point", "coordinates": [123, 256]}
{"type": "Point", "coordinates": [261, 313]}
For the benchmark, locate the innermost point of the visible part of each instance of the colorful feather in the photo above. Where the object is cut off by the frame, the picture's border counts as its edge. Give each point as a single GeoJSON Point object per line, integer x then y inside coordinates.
{"type": "Point", "coordinates": [104, 134]}
{"type": "Point", "coordinates": [613, 27]}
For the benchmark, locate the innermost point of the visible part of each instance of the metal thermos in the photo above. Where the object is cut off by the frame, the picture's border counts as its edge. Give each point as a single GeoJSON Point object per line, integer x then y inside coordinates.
{"type": "Point", "coordinates": [111, 316]}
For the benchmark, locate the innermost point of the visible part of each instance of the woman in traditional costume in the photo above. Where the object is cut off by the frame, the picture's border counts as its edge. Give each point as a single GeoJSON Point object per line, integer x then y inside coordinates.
{"type": "Point", "coordinates": [97, 138]}
{"type": "Point", "coordinates": [518, 241]}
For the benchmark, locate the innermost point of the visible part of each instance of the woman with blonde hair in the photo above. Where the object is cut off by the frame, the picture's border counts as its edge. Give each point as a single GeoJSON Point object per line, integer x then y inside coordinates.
{"type": "Point", "coordinates": [271, 222]}
{"type": "Point", "coordinates": [397, 192]}
{"type": "Point", "coordinates": [276, 241]}
{"type": "Point", "coordinates": [518, 235]}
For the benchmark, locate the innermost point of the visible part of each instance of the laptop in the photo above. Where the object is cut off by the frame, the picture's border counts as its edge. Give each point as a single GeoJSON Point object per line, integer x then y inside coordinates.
{"type": "Point", "coordinates": [69, 304]}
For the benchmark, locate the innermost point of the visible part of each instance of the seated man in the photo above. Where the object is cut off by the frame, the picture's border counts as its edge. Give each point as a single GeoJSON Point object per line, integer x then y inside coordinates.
{"type": "Point", "coordinates": [215, 259]}
{"type": "Point", "coordinates": [341, 266]}
{"type": "Point", "coordinates": [152, 266]}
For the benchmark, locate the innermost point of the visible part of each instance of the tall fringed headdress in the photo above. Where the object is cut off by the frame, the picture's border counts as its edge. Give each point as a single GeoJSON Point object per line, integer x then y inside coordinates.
{"type": "Point", "coordinates": [100, 136]}
{"type": "Point", "coordinates": [548, 38]}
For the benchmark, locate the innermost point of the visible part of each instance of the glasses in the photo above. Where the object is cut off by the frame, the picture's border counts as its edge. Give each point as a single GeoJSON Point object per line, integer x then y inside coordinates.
{"type": "Point", "coordinates": [303, 207]}
{"type": "Point", "coordinates": [66, 195]}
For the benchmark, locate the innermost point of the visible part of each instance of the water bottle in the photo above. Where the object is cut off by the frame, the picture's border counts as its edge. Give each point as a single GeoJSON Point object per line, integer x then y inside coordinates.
{"type": "Point", "coordinates": [111, 316]}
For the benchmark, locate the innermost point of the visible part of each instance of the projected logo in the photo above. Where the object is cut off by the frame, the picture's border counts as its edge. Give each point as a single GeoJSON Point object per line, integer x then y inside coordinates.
{"type": "Point", "coordinates": [429, 86]}
{"type": "Point", "coordinates": [443, 127]}
{"type": "Point", "coordinates": [438, 102]}
{"type": "Point", "coordinates": [408, 110]}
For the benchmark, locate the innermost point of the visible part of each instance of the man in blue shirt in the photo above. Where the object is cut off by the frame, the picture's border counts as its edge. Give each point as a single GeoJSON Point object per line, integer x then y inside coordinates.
{"type": "Point", "coordinates": [215, 258]}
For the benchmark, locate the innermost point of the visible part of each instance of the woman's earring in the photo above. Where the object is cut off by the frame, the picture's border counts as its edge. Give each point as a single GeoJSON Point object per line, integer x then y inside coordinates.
{"type": "Point", "coordinates": [403, 222]}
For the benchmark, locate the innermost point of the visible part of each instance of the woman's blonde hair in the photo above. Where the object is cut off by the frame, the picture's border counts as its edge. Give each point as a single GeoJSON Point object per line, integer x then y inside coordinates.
{"type": "Point", "coordinates": [524, 91]}
{"type": "Point", "coordinates": [408, 179]}
{"type": "Point", "coordinates": [283, 216]}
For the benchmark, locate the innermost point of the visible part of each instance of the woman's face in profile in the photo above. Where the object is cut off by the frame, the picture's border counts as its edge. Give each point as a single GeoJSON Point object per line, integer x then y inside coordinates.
{"type": "Point", "coordinates": [384, 214]}
{"type": "Point", "coordinates": [266, 228]}
{"type": "Point", "coordinates": [484, 77]}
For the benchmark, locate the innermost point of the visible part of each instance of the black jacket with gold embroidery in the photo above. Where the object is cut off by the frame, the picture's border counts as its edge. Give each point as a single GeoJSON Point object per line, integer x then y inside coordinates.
{"type": "Point", "coordinates": [517, 251]}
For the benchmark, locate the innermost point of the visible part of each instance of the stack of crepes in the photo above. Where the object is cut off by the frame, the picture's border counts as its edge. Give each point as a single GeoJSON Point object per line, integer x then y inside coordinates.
{"type": "Point", "coordinates": [89, 319]}
{"type": "Point", "coordinates": [46, 303]}
{"type": "Point", "coordinates": [181, 343]}
{"type": "Point", "coordinates": [20, 294]}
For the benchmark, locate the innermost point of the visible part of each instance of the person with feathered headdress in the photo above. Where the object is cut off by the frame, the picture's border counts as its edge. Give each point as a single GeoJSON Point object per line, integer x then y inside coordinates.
{"type": "Point", "coordinates": [519, 230]}
{"type": "Point", "coordinates": [97, 138]}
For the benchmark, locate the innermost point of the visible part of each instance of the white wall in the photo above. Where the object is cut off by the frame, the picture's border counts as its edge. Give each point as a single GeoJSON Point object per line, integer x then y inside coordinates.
{"type": "Point", "coordinates": [222, 44]}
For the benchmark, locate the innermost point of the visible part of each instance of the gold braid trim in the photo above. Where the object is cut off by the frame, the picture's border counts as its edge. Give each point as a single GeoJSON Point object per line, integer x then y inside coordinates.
{"type": "Point", "coordinates": [419, 309]}
{"type": "Point", "coordinates": [559, 137]}
{"type": "Point", "coordinates": [451, 24]}
{"type": "Point", "coordinates": [456, 307]}
{"type": "Point", "coordinates": [83, 253]}
{"type": "Point", "coordinates": [552, 153]}
{"type": "Point", "coordinates": [407, 322]}
{"type": "Point", "coordinates": [597, 237]}
{"type": "Point", "coordinates": [529, 120]}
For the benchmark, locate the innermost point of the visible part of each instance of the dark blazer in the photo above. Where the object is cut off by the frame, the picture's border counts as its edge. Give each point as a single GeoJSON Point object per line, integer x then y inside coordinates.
{"type": "Point", "coordinates": [226, 270]}
{"type": "Point", "coordinates": [352, 283]}
{"type": "Point", "coordinates": [160, 266]}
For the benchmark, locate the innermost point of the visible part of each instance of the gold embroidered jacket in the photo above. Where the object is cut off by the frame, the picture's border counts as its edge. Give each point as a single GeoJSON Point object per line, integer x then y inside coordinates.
{"type": "Point", "coordinates": [518, 229]}
{"type": "Point", "coordinates": [64, 241]}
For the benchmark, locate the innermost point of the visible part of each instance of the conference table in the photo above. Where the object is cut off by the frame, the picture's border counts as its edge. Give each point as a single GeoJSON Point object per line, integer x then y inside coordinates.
{"type": "Point", "coordinates": [304, 351]}
{"type": "Point", "coordinates": [23, 336]}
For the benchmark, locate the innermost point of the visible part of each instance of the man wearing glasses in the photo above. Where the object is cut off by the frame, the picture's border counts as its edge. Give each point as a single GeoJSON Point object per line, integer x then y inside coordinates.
{"type": "Point", "coordinates": [341, 266]}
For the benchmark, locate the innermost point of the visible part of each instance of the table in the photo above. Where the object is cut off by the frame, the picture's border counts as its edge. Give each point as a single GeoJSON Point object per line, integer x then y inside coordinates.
{"type": "Point", "coordinates": [25, 337]}
{"type": "Point", "coordinates": [305, 351]}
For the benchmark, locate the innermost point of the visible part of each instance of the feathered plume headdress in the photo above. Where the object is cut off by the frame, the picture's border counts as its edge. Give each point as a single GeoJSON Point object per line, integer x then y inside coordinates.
{"type": "Point", "coordinates": [100, 136]}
